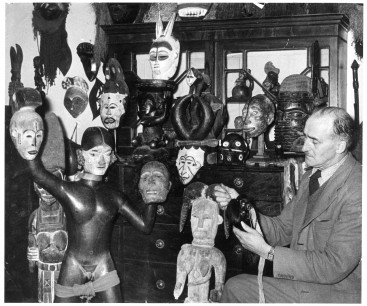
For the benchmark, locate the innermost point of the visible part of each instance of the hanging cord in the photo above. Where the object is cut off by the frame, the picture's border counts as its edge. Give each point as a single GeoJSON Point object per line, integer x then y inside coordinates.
{"type": "Point", "coordinates": [260, 269]}
{"type": "Point", "coordinates": [75, 132]}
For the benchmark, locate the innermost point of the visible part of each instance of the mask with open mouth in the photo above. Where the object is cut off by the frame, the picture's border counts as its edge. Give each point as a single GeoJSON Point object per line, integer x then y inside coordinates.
{"type": "Point", "coordinates": [154, 183]}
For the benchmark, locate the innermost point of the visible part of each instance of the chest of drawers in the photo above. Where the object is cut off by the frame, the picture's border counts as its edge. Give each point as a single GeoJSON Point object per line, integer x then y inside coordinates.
{"type": "Point", "coordinates": [146, 264]}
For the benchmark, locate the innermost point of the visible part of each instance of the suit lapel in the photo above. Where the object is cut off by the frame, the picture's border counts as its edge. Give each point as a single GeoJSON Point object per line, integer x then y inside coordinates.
{"type": "Point", "coordinates": [328, 195]}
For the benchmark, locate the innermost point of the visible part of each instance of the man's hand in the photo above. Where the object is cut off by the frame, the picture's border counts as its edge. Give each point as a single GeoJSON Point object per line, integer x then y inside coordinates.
{"type": "Point", "coordinates": [223, 195]}
{"type": "Point", "coordinates": [252, 240]}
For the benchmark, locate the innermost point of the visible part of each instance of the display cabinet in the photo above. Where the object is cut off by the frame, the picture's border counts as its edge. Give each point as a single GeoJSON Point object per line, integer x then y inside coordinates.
{"type": "Point", "coordinates": [224, 47]}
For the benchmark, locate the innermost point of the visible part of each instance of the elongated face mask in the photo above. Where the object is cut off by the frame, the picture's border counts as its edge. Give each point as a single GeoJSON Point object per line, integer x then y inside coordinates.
{"type": "Point", "coordinates": [188, 163]}
{"type": "Point", "coordinates": [26, 130]}
{"type": "Point", "coordinates": [164, 52]}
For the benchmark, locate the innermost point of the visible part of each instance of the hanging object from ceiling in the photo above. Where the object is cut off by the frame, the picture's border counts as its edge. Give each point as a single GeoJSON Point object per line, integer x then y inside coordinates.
{"type": "Point", "coordinates": [193, 11]}
{"type": "Point", "coordinates": [49, 22]}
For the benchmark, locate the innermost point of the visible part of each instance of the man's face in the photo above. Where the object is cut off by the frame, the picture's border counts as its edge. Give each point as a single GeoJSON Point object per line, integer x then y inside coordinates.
{"type": "Point", "coordinates": [43, 194]}
{"type": "Point", "coordinates": [190, 78]}
{"type": "Point", "coordinates": [154, 183]}
{"type": "Point", "coordinates": [321, 143]}
{"type": "Point", "coordinates": [97, 159]}
{"type": "Point", "coordinates": [163, 61]}
{"type": "Point", "coordinates": [188, 163]}
{"type": "Point", "coordinates": [26, 131]}
{"type": "Point", "coordinates": [204, 221]}
{"type": "Point", "coordinates": [111, 109]}
{"type": "Point", "coordinates": [255, 119]}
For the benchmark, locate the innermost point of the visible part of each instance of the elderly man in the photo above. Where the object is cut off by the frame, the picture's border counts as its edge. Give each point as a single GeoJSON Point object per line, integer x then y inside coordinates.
{"type": "Point", "coordinates": [321, 225]}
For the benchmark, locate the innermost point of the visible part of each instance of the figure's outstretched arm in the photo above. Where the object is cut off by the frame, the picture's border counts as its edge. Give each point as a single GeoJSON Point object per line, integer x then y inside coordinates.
{"type": "Point", "coordinates": [143, 219]}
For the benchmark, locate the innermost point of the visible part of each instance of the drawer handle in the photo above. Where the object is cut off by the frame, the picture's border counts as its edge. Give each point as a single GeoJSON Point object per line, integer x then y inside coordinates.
{"type": "Point", "coordinates": [238, 249]}
{"type": "Point", "coordinates": [160, 284]}
{"type": "Point", "coordinates": [238, 182]}
{"type": "Point", "coordinates": [160, 210]}
{"type": "Point", "coordinates": [159, 244]}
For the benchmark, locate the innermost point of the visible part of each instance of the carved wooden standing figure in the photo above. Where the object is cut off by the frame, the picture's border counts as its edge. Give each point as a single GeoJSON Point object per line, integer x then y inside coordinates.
{"type": "Point", "coordinates": [91, 207]}
{"type": "Point", "coordinates": [195, 261]}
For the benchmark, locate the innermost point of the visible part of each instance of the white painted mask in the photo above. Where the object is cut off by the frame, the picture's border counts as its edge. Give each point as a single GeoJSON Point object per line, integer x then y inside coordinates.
{"type": "Point", "coordinates": [111, 109]}
{"type": "Point", "coordinates": [188, 163]}
{"type": "Point", "coordinates": [26, 130]}
{"type": "Point", "coordinates": [164, 52]}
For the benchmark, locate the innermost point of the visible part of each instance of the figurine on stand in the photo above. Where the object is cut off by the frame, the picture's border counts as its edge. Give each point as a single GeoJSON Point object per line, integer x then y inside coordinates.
{"type": "Point", "coordinates": [48, 239]}
{"type": "Point", "coordinates": [91, 207]}
{"type": "Point", "coordinates": [257, 115]}
{"type": "Point", "coordinates": [271, 82]}
{"type": "Point", "coordinates": [195, 261]}
{"type": "Point", "coordinates": [155, 96]}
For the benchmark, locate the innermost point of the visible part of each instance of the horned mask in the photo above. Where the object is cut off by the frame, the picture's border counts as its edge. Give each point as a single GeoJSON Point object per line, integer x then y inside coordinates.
{"type": "Point", "coordinates": [164, 53]}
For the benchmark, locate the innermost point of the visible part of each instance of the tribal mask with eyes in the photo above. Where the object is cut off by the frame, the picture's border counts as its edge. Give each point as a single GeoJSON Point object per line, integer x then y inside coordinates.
{"type": "Point", "coordinates": [164, 53]}
{"type": "Point", "coordinates": [234, 150]}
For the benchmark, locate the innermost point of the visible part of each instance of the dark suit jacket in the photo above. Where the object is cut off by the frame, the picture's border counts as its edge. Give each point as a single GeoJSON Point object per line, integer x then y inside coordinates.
{"type": "Point", "coordinates": [325, 238]}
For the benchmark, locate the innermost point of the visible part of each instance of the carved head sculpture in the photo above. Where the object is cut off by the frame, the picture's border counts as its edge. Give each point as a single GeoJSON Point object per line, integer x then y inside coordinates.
{"type": "Point", "coordinates": [257, 115]}
{"type": "Point", "coordinates": [164, 53]}
{"type": "Point", "coordinates": [192, 155]}
{"type": "Point", "coordinates": [205, 216]}
{"type": "Point", "coordinates": [46, 198]}
{"type": "Point", "coordinates": [114, 95]}
{"type": "Point", "coordinates": [295, 105]}
{"type": "Point", "coordinates": [198, 81]}
{"type": "Point", "coordinates": [154, 183]}
{"type": "Point", "coordinates": [96, 153]}
{"type": "Point", "coordinates": [233, 150]}
{"type": "Point", "coordinates": [26, 130]}
{"type": "Point", "coordinates": [76, 95]}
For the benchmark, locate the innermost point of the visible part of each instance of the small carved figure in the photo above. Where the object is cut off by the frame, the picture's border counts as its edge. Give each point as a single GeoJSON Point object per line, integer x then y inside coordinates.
{"type": "Point", "coordinates": [271, 82]}
{"type": "Point", "coordinates": [195, 261]}
{"type": "Point", "coordinates": [47, 241]}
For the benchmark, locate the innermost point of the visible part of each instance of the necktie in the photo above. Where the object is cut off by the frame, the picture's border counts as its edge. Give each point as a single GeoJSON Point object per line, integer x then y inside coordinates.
{"type": "Point", "coordinates": [314, 182]}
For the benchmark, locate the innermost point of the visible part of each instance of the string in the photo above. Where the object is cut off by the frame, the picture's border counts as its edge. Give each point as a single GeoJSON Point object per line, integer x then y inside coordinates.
{"type": "Point", "coordinates": [75, 132]}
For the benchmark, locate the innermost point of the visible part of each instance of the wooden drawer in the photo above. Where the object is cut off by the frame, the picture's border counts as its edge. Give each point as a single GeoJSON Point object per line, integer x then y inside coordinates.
{"type": "Point", "coordinates": [259, 186]}
{"type": "Point", "coordinates": [162, 245]}
{"type": "Point", "coordinates": [150, 282]}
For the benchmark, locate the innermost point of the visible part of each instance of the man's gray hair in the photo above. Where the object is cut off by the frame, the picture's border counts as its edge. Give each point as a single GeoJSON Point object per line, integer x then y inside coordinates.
{"type": "Point", "coordinates": [344, 125]}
